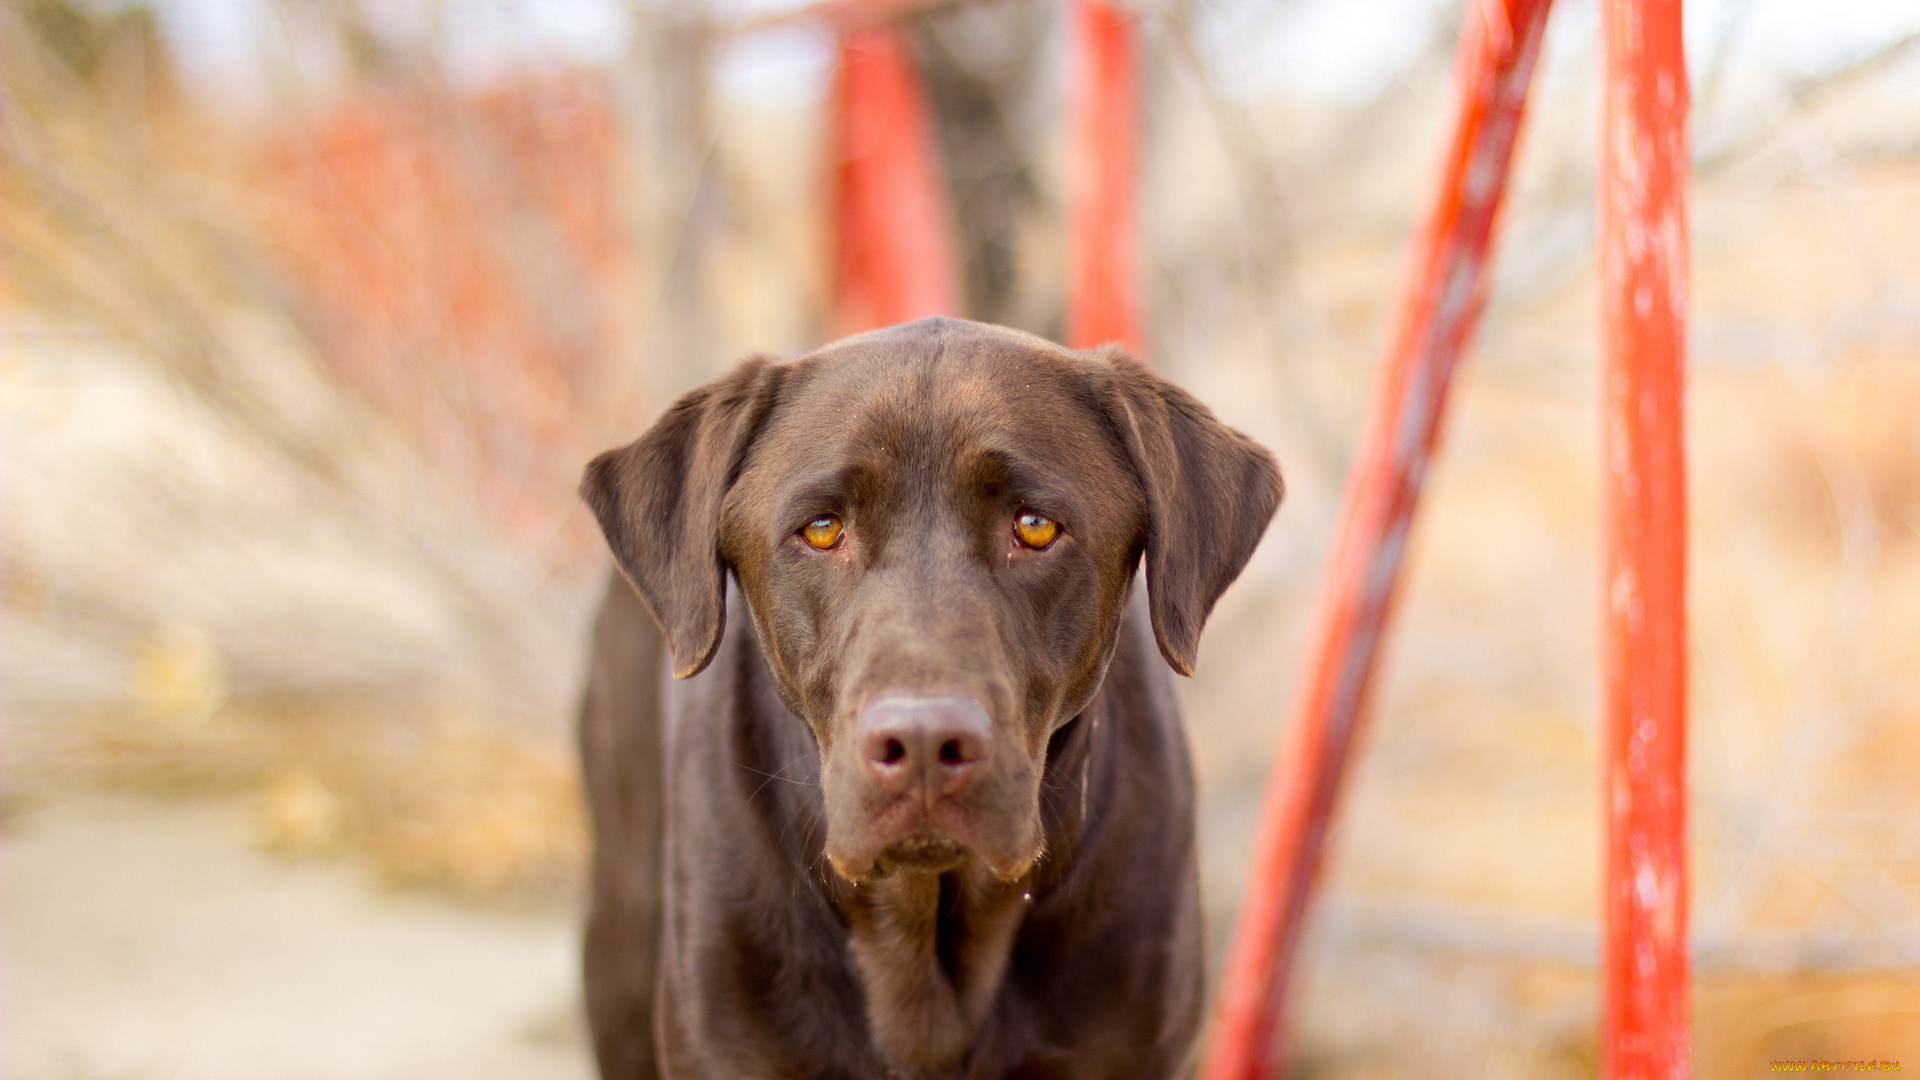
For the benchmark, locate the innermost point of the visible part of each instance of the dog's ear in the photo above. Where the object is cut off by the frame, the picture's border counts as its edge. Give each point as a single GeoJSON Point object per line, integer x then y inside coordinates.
{"type": "Point", "coordinates": [658, 502]}
{"type": "Point", "coordinates": [1210, 493]}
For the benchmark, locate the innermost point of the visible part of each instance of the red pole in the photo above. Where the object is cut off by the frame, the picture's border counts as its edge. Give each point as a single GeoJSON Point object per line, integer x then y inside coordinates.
{"type": "Point", "coordinates": [1103, 208]}
{"type": "Point", "coordinates": [893, 252]}
{"type": "Point", "coordinates": [1643, 285]}
{"type": "Point", "coordinates": [1498, 46]}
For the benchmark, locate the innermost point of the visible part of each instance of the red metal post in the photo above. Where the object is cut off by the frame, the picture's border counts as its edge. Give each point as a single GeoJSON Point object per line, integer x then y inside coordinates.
{"type": "Point", "coordinates": [893, 246]}
{"type": "Point", "coordinates": [1103, 210]}
{"type": "Point", "coordinates": [1645, 1031]}
{"type": "Point", "coordinates": [1498, 46]}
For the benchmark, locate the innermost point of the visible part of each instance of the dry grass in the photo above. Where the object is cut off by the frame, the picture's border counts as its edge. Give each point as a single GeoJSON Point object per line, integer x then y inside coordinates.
{"type": "Point", "coordinates": [423, 794]}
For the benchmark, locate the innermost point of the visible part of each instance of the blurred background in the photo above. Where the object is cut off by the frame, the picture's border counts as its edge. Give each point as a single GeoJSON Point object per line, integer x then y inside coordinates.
{"type": "Point", "coordinates": [311, 311]}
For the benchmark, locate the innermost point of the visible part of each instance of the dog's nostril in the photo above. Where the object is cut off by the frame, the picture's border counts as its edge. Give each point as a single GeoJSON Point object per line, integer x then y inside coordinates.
{"type": "Point", "coordinates": [929, 744]}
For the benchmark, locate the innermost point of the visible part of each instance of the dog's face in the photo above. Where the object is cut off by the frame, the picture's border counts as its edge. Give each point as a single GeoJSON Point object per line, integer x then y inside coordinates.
{"type": "Point", "coordinates": [936, 542]}
{"type": "Point", "coordinates": [935, 527]}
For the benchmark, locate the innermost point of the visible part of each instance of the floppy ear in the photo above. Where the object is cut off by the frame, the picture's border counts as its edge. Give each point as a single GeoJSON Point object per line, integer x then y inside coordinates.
{"type": "Point", "coordinates": [658, 502]}
{"type": "Point", "coordinates": [1210, 493]}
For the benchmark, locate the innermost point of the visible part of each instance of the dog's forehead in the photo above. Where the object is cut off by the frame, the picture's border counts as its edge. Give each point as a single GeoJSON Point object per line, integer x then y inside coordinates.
{"type": "Point", "coordinates": [941, 331]}
{"type": "Point", "coordinates": [960, 377]}
{"type": "Point", "coordinates": [945, 371]}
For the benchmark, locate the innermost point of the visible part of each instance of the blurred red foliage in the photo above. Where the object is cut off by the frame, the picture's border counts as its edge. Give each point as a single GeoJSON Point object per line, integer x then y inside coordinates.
{"type": "Point", "coordinates": [459, 263]}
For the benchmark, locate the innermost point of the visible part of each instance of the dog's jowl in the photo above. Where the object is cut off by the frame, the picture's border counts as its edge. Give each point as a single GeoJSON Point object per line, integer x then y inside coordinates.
{"type": "Point", "coordinates": [885, 769]}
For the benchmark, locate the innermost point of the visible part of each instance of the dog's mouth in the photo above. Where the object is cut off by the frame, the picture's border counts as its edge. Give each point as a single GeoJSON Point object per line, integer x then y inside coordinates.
{"type": "Point", "coordinates": [991, 827]}
{"type": "Point", "coordinates": [927, 852]}
{"type": "Point", "coordinates": [922, 853]}
{"type": "Point", "coordinates": [919, 852]}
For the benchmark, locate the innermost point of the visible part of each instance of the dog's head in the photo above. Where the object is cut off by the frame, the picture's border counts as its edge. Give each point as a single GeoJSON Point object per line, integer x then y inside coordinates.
{"type": "Point", "coordinates": [936, 527]}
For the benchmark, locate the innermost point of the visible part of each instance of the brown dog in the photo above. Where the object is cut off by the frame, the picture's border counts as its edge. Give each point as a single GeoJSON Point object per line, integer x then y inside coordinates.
{"type": "Point", "coordinates": [920, 804]}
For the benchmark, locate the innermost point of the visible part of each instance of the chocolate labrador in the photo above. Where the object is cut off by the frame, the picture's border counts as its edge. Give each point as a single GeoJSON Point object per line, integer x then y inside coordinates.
{"type": "Point", "coordinates": [915, 800]}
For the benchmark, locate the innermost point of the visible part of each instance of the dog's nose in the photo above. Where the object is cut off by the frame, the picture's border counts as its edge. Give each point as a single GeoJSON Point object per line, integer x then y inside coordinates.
{"type": "Point", "coordinates": [935, 744]}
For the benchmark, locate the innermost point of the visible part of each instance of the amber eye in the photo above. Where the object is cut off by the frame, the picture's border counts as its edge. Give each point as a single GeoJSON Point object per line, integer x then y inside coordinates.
{"type": "Point", "coordinates": [1035, 530]}
{"type": "Point", "coordinates": [823, 532]}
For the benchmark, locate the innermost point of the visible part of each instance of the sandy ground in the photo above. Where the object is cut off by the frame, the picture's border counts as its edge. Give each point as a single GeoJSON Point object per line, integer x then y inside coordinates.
{"type": "Point", "coordinates": [144, 940]}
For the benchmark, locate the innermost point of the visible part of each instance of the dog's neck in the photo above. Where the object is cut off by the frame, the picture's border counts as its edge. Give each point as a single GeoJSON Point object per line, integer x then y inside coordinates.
{"type": "Point", "coordinates": [930, 950]}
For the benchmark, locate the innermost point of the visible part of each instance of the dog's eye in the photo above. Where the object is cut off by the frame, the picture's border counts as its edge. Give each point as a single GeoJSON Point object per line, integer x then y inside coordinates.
{"type": "Point", "coordinates": [1035, 530]}
{"type": "Point", "coordinates": [822, 532]}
